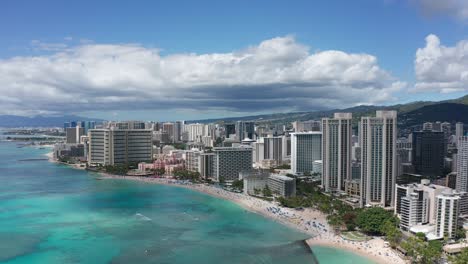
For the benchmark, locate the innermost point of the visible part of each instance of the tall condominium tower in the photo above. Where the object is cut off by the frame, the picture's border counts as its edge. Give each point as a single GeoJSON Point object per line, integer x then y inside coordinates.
{"type": "Point", "coordinates": [306, 147]}
{"type": "Point", "coordinates": [462, 165]}
{"type": "Point", "coordinates": [245, 130]}
{"type": "Point", "coordinates": [336, 151]}
{"type": "Point", "coordinates": [378, 173]}
{"type": "Point", "coordinates": [195, 132]}
{"type": "Point", "coordinates": [170, 129]}
{"type": "Point", "coordinates": [458, 131]}
{"type": "Point", "coordinates": [74, 134]}
{"type": "Point", "coordinates": [178, 129]}
{"type": "Point", "coordinates": [273, 149]}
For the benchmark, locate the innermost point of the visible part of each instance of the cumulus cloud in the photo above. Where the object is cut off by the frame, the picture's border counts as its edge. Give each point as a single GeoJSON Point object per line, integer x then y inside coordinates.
{"type": "Point", "coordinates": [277, 74]}
{"type": "Point", "coordinates": [441, 69]}
{"type": "Point", "coordinates": [455, 8]}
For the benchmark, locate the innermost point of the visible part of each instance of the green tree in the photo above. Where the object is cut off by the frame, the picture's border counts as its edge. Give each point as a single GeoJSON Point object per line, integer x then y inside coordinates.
{"type": "Point", "coordinates": [371, 220]}
{"type": "Point", "coordinates": [256, 191]}
{"type": "Point", "coordinates": [238, 184]}
{"type": "Point", "coordinates": [392, 233]}
{"type": "Point", "coordinates": [183, 174]}
{"type": "Point", "coordinates": [461, 258]}
{"type": "Point", "coordinates": [349, 219]}
{"type": "Point", "coordinates": [267, 191]}
{"type": "Point", "coordinates": [159, 171]}
{"type": "Point", "coordinates": [335, 221]}
{"type": "Point", "coordinates": [460, 233]}
{"type": "Point", "coordinates": [118, 169]}
{"type": "Point", "coordinates": [422, 252]}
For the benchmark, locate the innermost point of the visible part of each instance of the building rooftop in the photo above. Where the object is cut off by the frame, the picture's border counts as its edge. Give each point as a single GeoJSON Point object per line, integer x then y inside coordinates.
{"type": "Point", "coordinates": [281, 177]}
{"type": "Point", "coordinates": [455, 248]}
{"type": "Point", "coordinates": [307, 133]}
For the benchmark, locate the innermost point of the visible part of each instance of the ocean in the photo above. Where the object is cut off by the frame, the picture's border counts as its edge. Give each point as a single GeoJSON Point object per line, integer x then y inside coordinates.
{"type": "Point", "coordinates": [50, 213]}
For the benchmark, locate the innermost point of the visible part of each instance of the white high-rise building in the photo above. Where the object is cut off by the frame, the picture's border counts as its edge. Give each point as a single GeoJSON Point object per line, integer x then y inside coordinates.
{"type": "Point", "coordinates": [336, 151]}
{"type": "Point", "coordinates": [195, 132]}
{"type": "Point", "coordinates": [170, 129]}
{"type": "Point", "coordinates": [414, 210]}
{"type": "Point", "coordinates": [462, 165]}
{"type": "Point", "coordinates": [210, 131]}
{"type": "Point", "coordinates": [415, 203]}
{"type": "Point", "coordinates": [199, 161]}
{"type": "Point", "coordinates": [286, 147]}
{"type": "Point", "coordinates": [306, 147]}
{"type": "Point", "coordinates": [447, 214]}
{"type": "Point", "coordinates": [273, 149]}
{"type": "Point", "coordinates": [378, 172]}
{"type": "Point", "coordinates": [304, 126]}
{"type": "Point", "coordinates": [258, 151]}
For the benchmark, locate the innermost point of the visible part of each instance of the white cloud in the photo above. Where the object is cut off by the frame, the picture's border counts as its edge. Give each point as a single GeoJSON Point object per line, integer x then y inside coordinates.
{"type": "Point", "coordinates": [455, 8]}
{"type": "Point", "coordinates": [441, 69]}
{"type": "Point", "coordinates": [277, 74]}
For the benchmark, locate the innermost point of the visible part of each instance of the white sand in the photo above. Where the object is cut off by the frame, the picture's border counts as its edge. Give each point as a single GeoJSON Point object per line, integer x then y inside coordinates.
{"type": "Point", "coordinates": [373, 249]}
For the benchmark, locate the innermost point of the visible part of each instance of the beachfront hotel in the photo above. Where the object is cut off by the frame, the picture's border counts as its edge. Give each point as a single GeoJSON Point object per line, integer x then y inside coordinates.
{"type": "Point", "coordinates": [336, 151]}
{"type": "Point", "coordinates": [115, 146]}
{"type": "Point", "coordinates": [282, 185]}
{"type": "Point", "coordinates": [199, 161]}
{"type": "Point", "coordinates": [378, 172]}
{"type": "Point", "coordinates": [229, 161]}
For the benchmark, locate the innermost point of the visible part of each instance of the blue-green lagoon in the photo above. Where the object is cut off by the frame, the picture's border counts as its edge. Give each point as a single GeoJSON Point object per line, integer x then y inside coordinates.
{"type": "Point", "coordinates": [51, 213]}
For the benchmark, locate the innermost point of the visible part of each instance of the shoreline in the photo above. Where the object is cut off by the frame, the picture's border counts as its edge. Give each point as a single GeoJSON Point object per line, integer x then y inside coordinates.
{"type": "Point", "coordinates": [308, 221]}
{"type": "Point", "coordinates": [373, 249]}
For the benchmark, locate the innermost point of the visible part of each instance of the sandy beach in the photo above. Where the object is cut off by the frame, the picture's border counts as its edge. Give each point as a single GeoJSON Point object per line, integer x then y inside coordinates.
{"type": "Point", "coordinates": [373, 249]}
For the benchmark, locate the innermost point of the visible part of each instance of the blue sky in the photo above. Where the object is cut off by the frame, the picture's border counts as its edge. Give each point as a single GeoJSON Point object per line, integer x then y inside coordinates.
{"type": "Point", "coordinates": [391, 31]}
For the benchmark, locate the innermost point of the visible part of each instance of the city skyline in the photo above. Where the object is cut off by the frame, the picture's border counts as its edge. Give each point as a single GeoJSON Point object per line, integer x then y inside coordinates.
{"type": "Point", "coordinates": [154, 62]}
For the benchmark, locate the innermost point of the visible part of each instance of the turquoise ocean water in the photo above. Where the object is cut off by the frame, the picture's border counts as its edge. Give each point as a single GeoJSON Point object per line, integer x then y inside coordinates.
{"type": "Point", "coordinates": [50, 213]}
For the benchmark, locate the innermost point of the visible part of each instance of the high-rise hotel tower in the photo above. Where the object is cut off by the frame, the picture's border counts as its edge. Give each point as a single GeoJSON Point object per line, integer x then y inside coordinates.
{"type": "Point", "coordinates": [378, 173]}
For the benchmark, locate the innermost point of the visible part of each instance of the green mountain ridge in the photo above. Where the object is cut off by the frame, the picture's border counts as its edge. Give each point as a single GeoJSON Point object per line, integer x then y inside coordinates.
{"type": "Point", "coordinates": [410, 114]}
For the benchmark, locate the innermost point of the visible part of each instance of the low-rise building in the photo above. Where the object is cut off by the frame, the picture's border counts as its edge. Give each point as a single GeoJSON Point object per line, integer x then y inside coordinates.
{"type": "Point", "coordinates": [282, 185]}
{"type": "Point", "coordinates": [254, 181]}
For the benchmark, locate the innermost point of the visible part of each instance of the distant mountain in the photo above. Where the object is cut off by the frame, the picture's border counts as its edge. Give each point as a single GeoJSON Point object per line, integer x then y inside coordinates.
{"type": "Point", "coordinates": [10, 121]}
{"type": "Point", "coordinates": [409, 114]}
{"type": "Point", "coordinates": [450, 112]}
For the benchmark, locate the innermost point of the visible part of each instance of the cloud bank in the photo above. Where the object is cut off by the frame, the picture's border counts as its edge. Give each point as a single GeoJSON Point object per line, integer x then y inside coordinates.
{"type": "Point", "coordinates": [441, 69]}
{"type": "Point", "coordinates": [453, 8]}
{"type": "Point", "coordinates": [277, 74]}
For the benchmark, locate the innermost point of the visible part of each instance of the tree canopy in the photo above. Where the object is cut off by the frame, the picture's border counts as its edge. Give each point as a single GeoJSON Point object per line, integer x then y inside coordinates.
{"type": "Point", "coordinates": [461, 258]}
{"type": "Point", "coordinates": [373, 219]}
